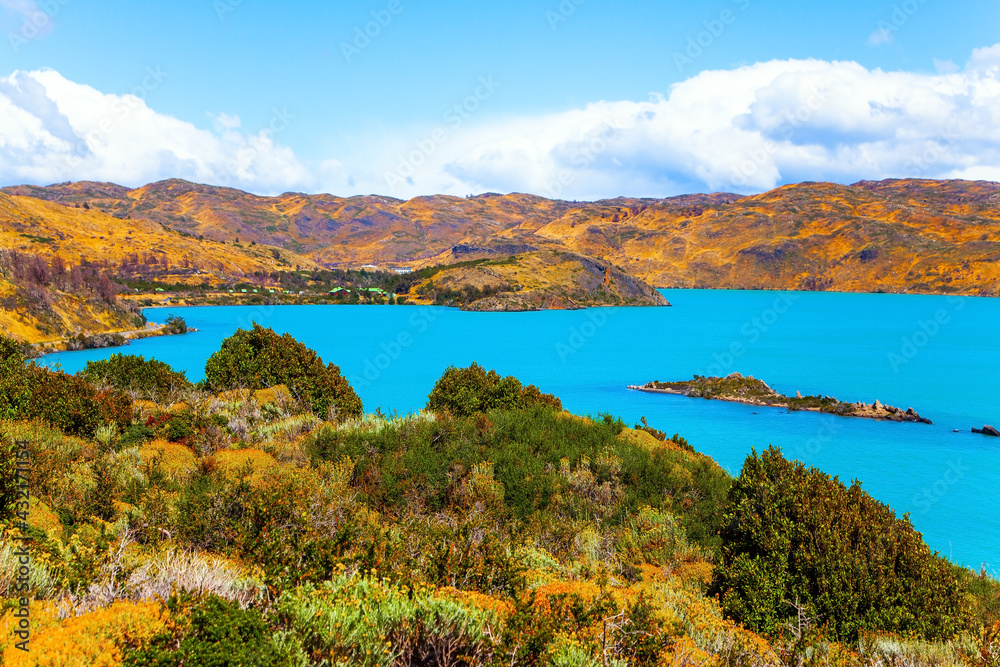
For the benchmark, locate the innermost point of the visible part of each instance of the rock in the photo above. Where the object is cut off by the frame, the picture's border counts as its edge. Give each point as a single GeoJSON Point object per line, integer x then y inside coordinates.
{"type": "Point", "coordinates": [987, 430]}
{"type": "Point", "coordinates": [876, 405]}
{"type": "Point", "coordinates": [798, 394]}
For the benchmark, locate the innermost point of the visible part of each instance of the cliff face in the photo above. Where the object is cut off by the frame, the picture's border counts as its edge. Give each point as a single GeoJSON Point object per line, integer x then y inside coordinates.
{"type": "Point", "coordinates": [894, 236]}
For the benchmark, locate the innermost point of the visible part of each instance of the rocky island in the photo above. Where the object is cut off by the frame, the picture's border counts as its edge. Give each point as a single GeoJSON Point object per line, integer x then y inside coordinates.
{"type": "Point", "coordinates": [740, 389]}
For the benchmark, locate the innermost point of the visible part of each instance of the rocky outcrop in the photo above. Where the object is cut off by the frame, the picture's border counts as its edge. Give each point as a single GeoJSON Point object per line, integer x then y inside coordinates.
{"type": "Point", "coordinates": [749, 390]}
{"type": "Point", "coordinates": [987, 430]}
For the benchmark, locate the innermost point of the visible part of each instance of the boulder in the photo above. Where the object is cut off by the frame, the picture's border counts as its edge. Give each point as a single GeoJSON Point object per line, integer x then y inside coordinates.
{"type": "Point", "coordinates": [987, 430]}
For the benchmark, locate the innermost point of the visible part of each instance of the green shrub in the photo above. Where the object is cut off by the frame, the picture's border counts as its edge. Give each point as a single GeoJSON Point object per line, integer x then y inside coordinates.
{"type": "Point", "coordinates": [14, 392]}
{"type": "Point", "coordinates": [179, 427]}
{"type": "Point", "coordinates": [218, 634]}
{"type": "Point", "coordinates": [467, 391]}
{"type": "Point", "coordinates": [153, 378]}
{"type": "Point", "coordinates": [136, 434]}
{"type": "Point", "coordinates": [68, 402]}
{"type": "Point", "coordinates": [8, 479]}
{"type": "Point", "coordinates": [175, 324]}
{"type": "Point", "coordinates": [367, 622]}
{"type": "Point", "coordinates": [260, 358]}
{"type": "Point", "coordinates": [792, 534]}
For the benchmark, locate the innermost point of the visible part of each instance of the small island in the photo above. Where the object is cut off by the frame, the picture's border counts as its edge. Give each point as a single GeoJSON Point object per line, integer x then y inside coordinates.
{"type": "Point", "coordinates": [740, 389]}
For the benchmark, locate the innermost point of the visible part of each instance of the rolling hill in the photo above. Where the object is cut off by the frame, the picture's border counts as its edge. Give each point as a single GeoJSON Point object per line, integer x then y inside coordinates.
{"type": "Point", "coordinates": [915, 236]}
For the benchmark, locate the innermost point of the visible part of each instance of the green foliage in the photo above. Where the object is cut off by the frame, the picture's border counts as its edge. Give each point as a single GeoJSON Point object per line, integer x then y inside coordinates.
{"type": "Point", "coordinates": [179, 427]}
{"type": "Point", "coordinates": [466, 391]}
{"type": "Point", "coordinates": [69, 403]}
{"type": "Point", "coordinates": [364, 621]}
{"type": "Point", "coordinates": [14, 392]}
{"type": "Point", "coordinates": [136, 434]}
{"type": "Point", "coordinates": [153, 378]}
{"type": "Point", "coordinates": [175, 324]}
{"type": "Point", "coordinates": [218, 633]}
{"type": "Point", "coordinates": [260, 358]}
{"type": "Point", "coordinates": [792, 534]}
{"type": "Point", "coordinates": [8, 479]}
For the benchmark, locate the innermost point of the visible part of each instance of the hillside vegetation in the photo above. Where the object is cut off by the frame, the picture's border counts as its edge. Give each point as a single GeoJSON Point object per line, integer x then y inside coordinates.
{"type": "Point", "coordinates": [173, 524]}
{"type": "Point", "coordinates": [894, 236]}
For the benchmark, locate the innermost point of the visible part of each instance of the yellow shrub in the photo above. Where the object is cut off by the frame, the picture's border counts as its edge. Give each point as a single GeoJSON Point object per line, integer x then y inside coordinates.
{"type": "Point", "coordinates": [278, 394]}
{"type": "Point", "coordinates": [234, 461]}
{"type": "Point", "coordinates": [41, 516]}
{"type": "Point", "coordinates": [97, 639]}
{"type": "Point", "coordinates": [176, 460]}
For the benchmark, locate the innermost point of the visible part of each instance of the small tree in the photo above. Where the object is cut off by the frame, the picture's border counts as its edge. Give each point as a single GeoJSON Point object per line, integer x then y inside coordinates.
{"type": "Point", "coordinates": [467, 391]}
{"type": "Point", "coordinates": [125, 371]}
{"type": "Point", "coordinates": [260, 358]}
{"type": "Point", "coordinates": [794, 540]}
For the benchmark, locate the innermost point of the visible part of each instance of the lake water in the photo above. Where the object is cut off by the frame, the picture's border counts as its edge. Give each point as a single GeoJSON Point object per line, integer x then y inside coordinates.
{"type": "Point", "coordinates": [939, 355]}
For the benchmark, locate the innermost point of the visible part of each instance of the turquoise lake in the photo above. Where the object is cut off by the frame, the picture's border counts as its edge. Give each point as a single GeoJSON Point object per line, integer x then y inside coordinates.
{"type": "Point", "coordinates": [939, 355]}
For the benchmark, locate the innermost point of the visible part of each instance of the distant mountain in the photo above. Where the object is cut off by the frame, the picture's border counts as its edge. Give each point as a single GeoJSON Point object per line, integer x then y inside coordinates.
{"type": "Point", "coordinates": [895, 236]}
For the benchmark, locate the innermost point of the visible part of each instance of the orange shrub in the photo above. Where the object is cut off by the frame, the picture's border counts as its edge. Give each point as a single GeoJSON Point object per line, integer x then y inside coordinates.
{"type": "Point", "coordinates": [97, 639]}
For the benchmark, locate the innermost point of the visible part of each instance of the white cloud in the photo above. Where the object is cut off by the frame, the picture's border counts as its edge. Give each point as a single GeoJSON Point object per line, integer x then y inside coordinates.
{"type": "Point", "coordinates": [52, 129]}
{"type": "Point", "coordinates": [746, 129]}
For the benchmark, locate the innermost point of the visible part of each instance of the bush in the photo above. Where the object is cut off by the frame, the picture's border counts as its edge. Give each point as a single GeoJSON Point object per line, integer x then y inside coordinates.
{"type": "Point", "coordinates": [68, 402]}
{"type": "Point", "coordinates": [73, 405]}
{"type": "Point", "coordinates": [792, 534]}
{"type": "Point", "coordinates": [127, 371]}
{"type": "Point", "coordinates": [8, 479]}
{"type": "Point", "coordinates": [14, 394]}
{"type": "Point", "coordinates": [260, 358]}
{"type": "Point", "coordinates": [467, 391]}
{"type": "Point", "coordinates": [219, 634]}
{"type": "Point", "coordinates": [175, 324]}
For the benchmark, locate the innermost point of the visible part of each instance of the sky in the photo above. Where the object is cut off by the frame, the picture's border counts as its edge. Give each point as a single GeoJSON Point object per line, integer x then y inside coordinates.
{"type": "Point", "coordinates": [569, 99]}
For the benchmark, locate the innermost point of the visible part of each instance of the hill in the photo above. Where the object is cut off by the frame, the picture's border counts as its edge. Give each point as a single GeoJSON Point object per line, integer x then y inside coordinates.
{"type": "Point", "coordinates": [61, 268]}
{"type": "Point", "coordinates": [916, 236]}
{"type": "Point", "coordinates": [535, 280]}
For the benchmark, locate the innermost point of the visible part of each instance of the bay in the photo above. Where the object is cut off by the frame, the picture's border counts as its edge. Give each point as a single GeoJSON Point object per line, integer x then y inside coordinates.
{"type": "Point", "coordinates": [939, 355]}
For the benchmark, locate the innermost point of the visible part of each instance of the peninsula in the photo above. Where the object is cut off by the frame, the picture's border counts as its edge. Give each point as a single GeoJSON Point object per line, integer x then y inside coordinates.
{"type": "Point", "coordinates": [739, 389]}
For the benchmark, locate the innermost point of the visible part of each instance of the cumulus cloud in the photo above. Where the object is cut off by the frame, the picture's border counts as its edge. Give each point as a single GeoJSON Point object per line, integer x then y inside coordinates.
{"type": "Point", "coordinates": [52, 129]}
{"type": "Point", "coordinates": [746, 129]}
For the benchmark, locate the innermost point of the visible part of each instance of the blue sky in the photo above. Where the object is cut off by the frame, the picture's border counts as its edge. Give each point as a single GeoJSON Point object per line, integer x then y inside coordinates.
{"type": "Point", "coordinates": [573, 87]}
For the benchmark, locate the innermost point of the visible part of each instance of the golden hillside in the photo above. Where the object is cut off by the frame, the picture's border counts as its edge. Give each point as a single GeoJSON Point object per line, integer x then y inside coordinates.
{"type": "Point", "coordinates": [895, 236]}
{"type": "Point", "coordinates": [77, 234]}
{"type": "Point", "coordinates": [537, 280]}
